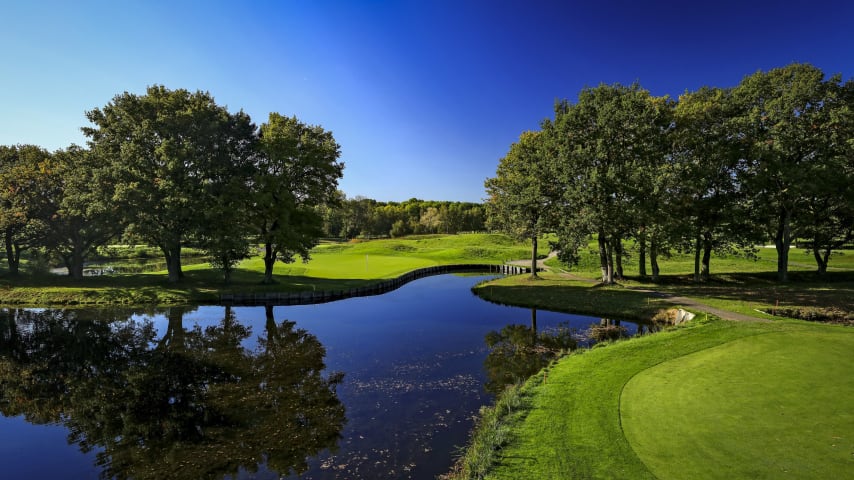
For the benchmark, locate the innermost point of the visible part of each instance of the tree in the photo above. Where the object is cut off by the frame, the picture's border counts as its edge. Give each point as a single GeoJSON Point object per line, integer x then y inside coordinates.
{"type": "Point", "coordinates": [708, 194]}
{"type": "Point", "coordinates": [26, 175]}
{"type": "Point", "coordinates": [783, 121]}
{"type": "Point", "coordinates": [523, 192]}
{"type": "Point", "coordinates": [166, 148]}
{"type": "Point", "coordinates": [79, 220]}
{"type": "Point", "coordinates": [297, 171]}
{"type": "Point", "coordinates": [602, 142]}
{"type": "Point", "coordinates": [827, 219]}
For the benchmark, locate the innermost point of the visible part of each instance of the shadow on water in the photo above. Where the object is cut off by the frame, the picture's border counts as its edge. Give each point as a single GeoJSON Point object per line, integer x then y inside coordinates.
{"type": "Point", "coordinates": [192, 403]}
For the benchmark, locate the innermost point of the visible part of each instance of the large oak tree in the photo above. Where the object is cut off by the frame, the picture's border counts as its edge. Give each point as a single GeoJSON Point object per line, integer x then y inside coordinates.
{"type": "Point", "coordinates": [168, 149]}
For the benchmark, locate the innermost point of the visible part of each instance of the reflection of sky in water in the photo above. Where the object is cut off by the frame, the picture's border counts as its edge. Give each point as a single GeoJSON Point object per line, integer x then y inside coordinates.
{"type": "Point", "coordinates": [40, 451]}
{"type": "Point", "coordinates": [413, 364]}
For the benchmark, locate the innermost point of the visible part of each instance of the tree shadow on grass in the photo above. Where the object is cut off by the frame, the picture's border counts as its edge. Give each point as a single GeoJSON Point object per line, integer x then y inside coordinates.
{"type": "Point", "coordinates": [615, 302]}
{"type": "Point", "coordinates": [833, 290]}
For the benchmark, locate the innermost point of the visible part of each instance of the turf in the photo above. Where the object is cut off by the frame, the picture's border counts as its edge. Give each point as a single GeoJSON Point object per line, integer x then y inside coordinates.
{"type": "Point", "coordinates": [333, 266]}
{"type": "Point", "coordinates": [574, 425]}
{"type": "Point", "coordinates": [770, 406]}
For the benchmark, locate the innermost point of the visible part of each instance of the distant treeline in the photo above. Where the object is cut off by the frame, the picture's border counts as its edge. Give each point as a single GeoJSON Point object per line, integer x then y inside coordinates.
{"type": "Point", "coordinates": [365, 217]}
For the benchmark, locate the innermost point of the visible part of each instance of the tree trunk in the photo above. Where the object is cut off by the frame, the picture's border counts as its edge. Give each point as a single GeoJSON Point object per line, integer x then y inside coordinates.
{"type": "Point", "coordinates": [603, 257]}
{"type": "Point", "coordinates": [269, 262]}
{"type": "Point", "coordinates": [783, 241]}
{"type": "Point", "coordinates": [173, 340]}
{"type": "Point", "coordinates": [698, 245]}
{"type": "Point", "coordinates": [11, 257]}
{"type": "Point", "coordinates": [820, 260]}
{"type": "Point", "coordinates": [606, 259]}
{"type": "Point", "coordinates": [75, 269]}
{"type": "Point", "coordinates": [173, 261]}
{"type": "Point", "coordinates": [653, 259]}
{"type": "Point", "coordinates": [705, 271]}
{"type": "Point", "coordinates": [642, 254]}
{"type": "Point", "coordinates": [618, 253]}
{"type": "Point", "coordinates": [533, 256]}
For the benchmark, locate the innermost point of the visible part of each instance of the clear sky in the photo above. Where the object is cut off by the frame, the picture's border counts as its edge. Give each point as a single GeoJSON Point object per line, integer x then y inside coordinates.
{"type": "Point", "coordinates": [424, 96]}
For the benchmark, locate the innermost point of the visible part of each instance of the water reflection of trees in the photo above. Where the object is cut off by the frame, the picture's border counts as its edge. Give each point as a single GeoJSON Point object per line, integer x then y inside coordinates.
{"type": "Point", "coordinates": [518, 351]}
{"type": "Point", "coordinates": [191, 404]}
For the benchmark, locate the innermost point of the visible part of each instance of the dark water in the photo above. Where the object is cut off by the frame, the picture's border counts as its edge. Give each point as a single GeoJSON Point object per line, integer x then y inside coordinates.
{"type": "Point", "coordinates": [371, 387]}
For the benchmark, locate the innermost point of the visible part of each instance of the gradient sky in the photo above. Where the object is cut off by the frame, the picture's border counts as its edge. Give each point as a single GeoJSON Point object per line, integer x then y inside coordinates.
{"type": "Point", "coordinates": [424, 96]}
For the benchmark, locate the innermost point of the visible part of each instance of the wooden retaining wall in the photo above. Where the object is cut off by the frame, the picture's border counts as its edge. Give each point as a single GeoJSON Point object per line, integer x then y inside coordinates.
{"type": "Point", "coordinates": [307, 298]}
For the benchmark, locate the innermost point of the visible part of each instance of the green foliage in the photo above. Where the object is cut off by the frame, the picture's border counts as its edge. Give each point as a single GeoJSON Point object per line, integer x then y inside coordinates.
{"type": "Point", "coordinates": [367, 218]}
{"type": "Point", "coordinates": [609, 151]}
{"type": "Point", "coordinates": [27, 181]}
{"type": "Point", "coordinates": [796, 128]}
{"type": "Point", "coordinates": [171, 153]}
{"type": "Point", "coordinates": [296, 172]}
{"type": "Point", "coordinates": [719, 170]}
{"type": "Point", "coordinates": [524, 193]}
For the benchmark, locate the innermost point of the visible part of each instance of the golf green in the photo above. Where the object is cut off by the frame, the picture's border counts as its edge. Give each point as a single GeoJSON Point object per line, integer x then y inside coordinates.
{"type": "Point", "coordinates": [777, 405]}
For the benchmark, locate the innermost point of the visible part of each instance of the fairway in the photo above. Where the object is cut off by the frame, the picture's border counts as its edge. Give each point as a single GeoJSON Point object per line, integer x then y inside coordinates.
{"type": "Point", "coordinates": [777, 405]}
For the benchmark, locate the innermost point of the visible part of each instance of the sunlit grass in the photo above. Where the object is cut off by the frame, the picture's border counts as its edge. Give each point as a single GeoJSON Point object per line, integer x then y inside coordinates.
{"type": "Point", "coordinates": [333, 266]}
{"type": "Point", "coordinates": [769, 408]}
{"type": "Point", "coordinates": [686, 418]}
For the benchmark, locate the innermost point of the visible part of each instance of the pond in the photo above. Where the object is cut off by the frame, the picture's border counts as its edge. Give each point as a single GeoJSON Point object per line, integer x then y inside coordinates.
{"type": "Point", "coordinates": [371, 387]}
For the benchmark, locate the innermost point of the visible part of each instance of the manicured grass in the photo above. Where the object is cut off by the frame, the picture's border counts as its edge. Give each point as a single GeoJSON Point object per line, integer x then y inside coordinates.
{"type": "Point", "coordinates": [768, 406]}
{"type": "Point", "coordinates": [556, 293]}
{"type": "Point", "coordinates": [712, 386]}
{"type": "Point", "coordinates": [574, 426]}
{"type": "Point", "coordinates": [740, 284]}
{"type": "Point", "coordinates": [333, 266]}
{"type": "Point", "coordinates": [801, 263]}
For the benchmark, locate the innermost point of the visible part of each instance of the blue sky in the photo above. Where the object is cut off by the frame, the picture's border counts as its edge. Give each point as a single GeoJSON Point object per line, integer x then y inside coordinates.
{"type": "Point", "coordinates": [424, 96]}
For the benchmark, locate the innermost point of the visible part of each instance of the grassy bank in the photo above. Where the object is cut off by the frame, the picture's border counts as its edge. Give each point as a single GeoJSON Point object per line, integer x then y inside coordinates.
{"type": "Point", "coordinates": [658, 407]}
{"type": "Point", "coordinates": [333, 266]}
{"type": "Point", "coordinates": [766, 399]}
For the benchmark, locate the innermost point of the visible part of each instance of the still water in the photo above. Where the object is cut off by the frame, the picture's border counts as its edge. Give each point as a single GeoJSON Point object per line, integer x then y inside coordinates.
{"type": "Point", "coordinates": [371, 387]}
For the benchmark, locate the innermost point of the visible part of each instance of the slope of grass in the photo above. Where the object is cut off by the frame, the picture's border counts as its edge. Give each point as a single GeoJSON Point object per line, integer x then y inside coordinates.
{"type": "Point", "coordinates": [554, 292]}
{"type": "Point", "coordinates": [740, 284]}
{"type": "Point", "coordinates": [573, 426]}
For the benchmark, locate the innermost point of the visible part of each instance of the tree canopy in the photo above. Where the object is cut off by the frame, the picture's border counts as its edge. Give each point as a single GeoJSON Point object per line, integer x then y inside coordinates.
{"type": "Point", "coordinates": [718, 169]}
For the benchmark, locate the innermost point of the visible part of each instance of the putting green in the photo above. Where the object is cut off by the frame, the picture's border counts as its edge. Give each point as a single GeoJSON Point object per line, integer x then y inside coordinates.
{"type": "Point", "coordinates": [778, 405]}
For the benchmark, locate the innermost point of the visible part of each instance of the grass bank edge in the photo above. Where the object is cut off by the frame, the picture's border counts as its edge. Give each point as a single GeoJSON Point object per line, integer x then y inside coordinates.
{"type": "Point", "coordinates": [333, 267]}
{"type": "Point", "coordinates": [592, 405]}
